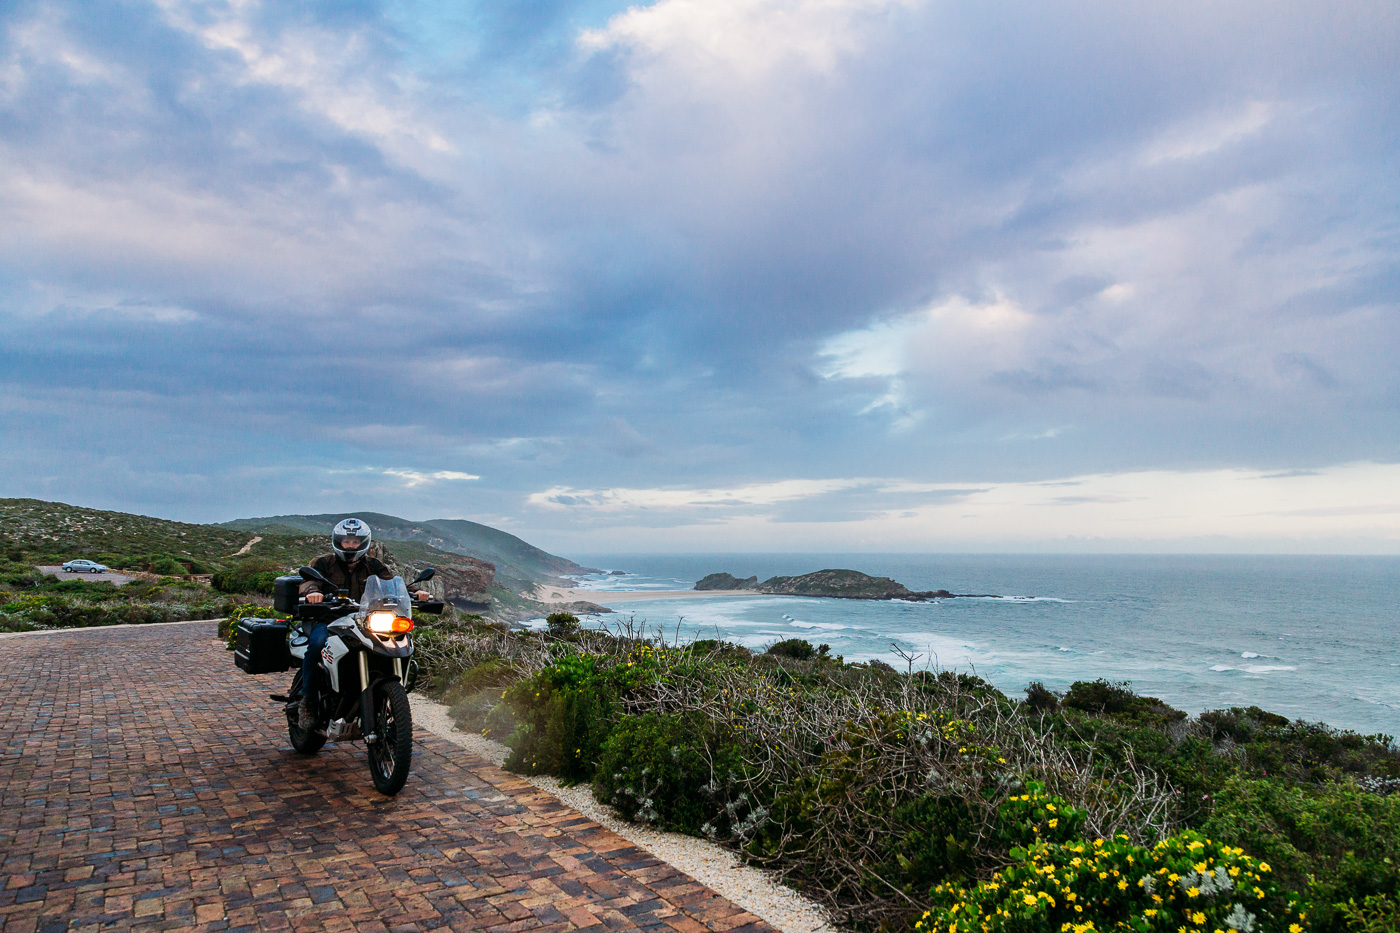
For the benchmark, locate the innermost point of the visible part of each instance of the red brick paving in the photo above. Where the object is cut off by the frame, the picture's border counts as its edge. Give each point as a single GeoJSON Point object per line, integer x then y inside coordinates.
{"type": "Point", "coordinates": [147, 784]}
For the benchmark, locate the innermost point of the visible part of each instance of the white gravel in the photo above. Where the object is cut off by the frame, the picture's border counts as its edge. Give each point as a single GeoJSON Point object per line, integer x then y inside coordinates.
{"type": "Point", "coordinates": [710, 864]}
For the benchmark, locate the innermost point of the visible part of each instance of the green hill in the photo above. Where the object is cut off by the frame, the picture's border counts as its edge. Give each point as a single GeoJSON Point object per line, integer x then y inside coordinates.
{"type": "Point", "coordinates": [52, 532]}
{"type": "Point", "coordinates": [518, 563]}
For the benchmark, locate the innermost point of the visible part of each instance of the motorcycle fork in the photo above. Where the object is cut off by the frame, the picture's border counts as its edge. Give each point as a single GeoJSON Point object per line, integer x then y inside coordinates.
{"type": "Point", "coordinates": [367, 702]}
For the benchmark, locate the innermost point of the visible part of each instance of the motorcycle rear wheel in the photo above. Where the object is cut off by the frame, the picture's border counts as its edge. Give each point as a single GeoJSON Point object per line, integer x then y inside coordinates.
{"type": "Point", "coordinates": [391, 754]}
{"type": "Point", "coordinates": [305, 741]}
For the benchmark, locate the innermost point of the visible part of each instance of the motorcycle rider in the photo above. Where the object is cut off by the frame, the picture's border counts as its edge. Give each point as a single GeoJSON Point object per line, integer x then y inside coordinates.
{"type": "Point", "coordinates": [348, 567]}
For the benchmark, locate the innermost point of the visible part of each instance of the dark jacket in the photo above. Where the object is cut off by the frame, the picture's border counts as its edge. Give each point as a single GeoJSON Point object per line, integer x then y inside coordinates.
{"type": "Point", "coordinates": [352, 577]}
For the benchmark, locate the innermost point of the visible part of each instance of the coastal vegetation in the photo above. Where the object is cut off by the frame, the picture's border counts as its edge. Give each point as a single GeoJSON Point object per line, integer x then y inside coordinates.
{"type": "Point", "coordinates": [30, 600]}
{"type": "Point", "coordinates": [930, 801]}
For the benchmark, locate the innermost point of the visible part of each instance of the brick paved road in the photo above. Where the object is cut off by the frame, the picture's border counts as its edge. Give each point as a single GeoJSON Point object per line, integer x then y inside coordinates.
{"type": "Point", "coordinates": [147, 784]}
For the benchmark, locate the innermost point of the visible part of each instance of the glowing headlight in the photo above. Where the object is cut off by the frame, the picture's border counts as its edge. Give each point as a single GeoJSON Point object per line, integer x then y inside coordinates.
{"type": "Point", "coordinates": [386, 623]}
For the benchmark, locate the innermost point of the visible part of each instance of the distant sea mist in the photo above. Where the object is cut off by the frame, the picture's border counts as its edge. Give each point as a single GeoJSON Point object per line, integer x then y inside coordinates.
{"type": "Point", "coordinates": [1313, 638]}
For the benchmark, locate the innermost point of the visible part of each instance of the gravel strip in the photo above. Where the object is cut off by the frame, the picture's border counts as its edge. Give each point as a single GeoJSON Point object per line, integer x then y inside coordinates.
{"type": "Point", "coordinates": [710, 864]}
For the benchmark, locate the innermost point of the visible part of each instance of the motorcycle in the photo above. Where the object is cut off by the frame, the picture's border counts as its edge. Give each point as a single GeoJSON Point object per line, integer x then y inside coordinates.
{"type": "Point", "coordinates": [366, 670]}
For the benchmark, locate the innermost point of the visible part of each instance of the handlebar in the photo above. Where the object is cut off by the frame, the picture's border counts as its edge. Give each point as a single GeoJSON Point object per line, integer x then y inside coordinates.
{"type": "Point", "coordinates": [336, 606]}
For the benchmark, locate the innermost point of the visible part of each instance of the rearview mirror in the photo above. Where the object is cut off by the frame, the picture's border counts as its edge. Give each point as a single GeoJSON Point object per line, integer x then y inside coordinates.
{"type": "Point", "coordinates": [311, 573]}
{"type": "Point", "coordinates": [427, 574]}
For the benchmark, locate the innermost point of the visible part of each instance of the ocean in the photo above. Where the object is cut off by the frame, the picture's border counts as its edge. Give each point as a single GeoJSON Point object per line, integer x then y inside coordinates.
{"type": "Point", "coordinates": [1312, 638]}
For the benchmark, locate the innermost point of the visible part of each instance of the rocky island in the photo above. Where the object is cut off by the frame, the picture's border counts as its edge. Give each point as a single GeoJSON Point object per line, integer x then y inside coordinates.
{"type": "Point", "coordinates": [830, 584]}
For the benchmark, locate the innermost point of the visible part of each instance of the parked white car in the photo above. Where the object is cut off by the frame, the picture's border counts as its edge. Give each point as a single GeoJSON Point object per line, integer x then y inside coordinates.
{"type": "Point", "coordinates": [84, 566]}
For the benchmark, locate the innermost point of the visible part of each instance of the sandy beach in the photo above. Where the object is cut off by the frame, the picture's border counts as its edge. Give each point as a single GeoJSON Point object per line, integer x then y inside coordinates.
{"type": "Point", "coordinates": [557, 594]}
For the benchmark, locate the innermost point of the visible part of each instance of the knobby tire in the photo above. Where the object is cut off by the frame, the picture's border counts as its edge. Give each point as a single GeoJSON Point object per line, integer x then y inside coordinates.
{"type": "Point", "coordinates": [390, 756]}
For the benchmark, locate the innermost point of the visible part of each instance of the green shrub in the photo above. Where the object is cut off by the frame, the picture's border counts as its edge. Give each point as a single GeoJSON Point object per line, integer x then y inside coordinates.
{"type": "Point", "coordinates": [255, 575]}
{"type": "Point", "coordinates": [1041, 698]}
{"type": "Point", "coordinates": [1376, 914]}
{"type": "Point", "coordinates": [561, 623]}
{"type": "Point", "coordinates": [166, 566]}
{"type": "Point", "coordinates": [24, 578]}
{"type": "Point", "coordinates": [10, 622]}
{"type": "Point", "coordinates": [1186, 882]}
{"type": "Point", "coordinates": [1037, 816]}
{"type": "Point", "coordinates": [473, 696]}
{"type": "Point", "coordinates": [1116, 699]}
{"type": "Point", "coordinates": [721, 649]}
{"type": "Point", "coordinates": [797, 648]}
{"type": "Point", "coordinates": [563, 715]}
{"type": "Point", "coordinates": [673, 772]}
{"type": "Point", "coordinates": [949, 835]}
{"type": "Point", "coordinates": [1336, 842]}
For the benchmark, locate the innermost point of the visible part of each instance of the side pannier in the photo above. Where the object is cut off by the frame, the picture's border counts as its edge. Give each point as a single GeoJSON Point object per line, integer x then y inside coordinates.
{"type": "Point", "coordinates": [261, 646]}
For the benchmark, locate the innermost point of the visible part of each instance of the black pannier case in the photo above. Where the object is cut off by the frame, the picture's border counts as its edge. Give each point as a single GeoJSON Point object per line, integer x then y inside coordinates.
{"type": "Point", "coordinates": [285, 593]}
{"type": "Point", "coordinates": [261, 646]}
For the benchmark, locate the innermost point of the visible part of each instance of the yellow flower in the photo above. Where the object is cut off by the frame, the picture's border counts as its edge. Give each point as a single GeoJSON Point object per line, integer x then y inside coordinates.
{"type": "Point", "coordinates": [1053, 823]}
{"type": "Point", "coordinates": [1122, 885]}
{"type": "Point", "coordinates": [1029, 899]}
{"type": "Point", "coordinates": [1264, 866]}
{"type": "Point", "coordinates": [1193, 892]}
{"type": "Point", "coordinates": [1294, 928]}
{"type": "Point", "coordinates": [1198, 918]}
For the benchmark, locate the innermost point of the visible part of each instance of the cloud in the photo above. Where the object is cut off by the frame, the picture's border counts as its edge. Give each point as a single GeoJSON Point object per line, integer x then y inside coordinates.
{"type": "Point", "coordinates": [413, 478]}
{"type": "Point", "coordinates": [620, 500]}
{"type": "Point", "coordinates": [741, 40]}
{"type": "Point", "coordinates": [1222, 510]}
{"type": "Point", "coordinates": [682, 252]}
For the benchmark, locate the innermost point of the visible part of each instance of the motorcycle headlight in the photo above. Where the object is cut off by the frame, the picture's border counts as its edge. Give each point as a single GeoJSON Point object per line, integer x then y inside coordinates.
{"type": "Point", "coordinates": [386, 623]}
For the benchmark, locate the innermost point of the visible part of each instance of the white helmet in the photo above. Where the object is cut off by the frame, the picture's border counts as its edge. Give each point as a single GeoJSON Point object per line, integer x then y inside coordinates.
{"type": "Point", "coordinates": [351, 539]}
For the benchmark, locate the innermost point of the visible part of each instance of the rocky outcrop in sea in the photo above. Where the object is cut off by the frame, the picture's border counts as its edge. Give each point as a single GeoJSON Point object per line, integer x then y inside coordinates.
{"type": "Point", "coordinates": [830, 584]}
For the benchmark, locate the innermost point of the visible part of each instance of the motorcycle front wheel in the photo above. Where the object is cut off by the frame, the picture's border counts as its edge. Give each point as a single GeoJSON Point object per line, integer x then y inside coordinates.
{"type": "Point", "coordinates": [305, 741]}
{"type": "Point", "coordinates": [391, 753]}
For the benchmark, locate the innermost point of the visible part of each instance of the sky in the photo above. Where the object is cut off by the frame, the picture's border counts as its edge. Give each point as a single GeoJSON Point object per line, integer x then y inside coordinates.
{"type": "Point", "coordinates": [712, 275]}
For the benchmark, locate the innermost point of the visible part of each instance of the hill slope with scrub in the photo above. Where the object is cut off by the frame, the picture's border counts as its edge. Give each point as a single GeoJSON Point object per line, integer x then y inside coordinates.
{"type": "Point", "coordinates": [518, 563]}
{"type": "Point", "coordinates": [212, 562]}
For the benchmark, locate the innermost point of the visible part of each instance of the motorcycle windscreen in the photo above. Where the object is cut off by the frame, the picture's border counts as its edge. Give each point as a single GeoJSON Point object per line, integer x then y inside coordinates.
{"type": "Point", "coordinates": [386, 596]}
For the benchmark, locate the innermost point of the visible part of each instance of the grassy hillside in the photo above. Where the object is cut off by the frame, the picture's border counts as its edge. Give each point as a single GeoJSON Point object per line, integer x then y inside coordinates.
{"type": "Point", "coordinates": [243, 558]}
{"type": "Point", "coordinates": [52, 532]}
{"type": "Point", "coordinates": [38, 532]}
{"type": "Point", "coordinates": [517, 562]}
